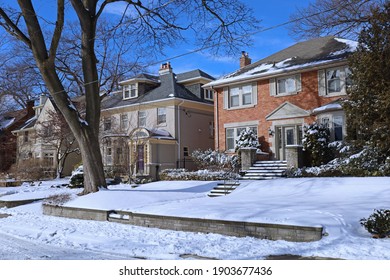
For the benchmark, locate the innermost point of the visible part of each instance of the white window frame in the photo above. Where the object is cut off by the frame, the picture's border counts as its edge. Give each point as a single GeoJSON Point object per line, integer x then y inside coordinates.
{"type": "Point", "coordinates": [235, 133]}
{"type": "Point", "coordinates": [236, 97]}
{"type": "Point", "coordinates": [209, 94]}
{"type": "Point", "coordinates": [107, 124]}
{"type": "Point", "coordinates": [141, 118]}
{"type": "Point", "coordinates": [130, 91]}
{"type": "Point", "coordinates": [275, 85]}
{"type": "Point", "coordinates": [124, 122]}
{"type": "Point", "coordinates": [324, 80]}
{"type": "Point", "coordinates": [161, 116]}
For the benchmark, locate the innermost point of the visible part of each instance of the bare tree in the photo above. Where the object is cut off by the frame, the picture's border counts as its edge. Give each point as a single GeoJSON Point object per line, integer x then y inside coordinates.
{"type": "Point", "coordinates": [343, 18]}
{"type": "Point", "coordinates": [55, 131]}
{"type": "Point", "coordinates": [153, 24]}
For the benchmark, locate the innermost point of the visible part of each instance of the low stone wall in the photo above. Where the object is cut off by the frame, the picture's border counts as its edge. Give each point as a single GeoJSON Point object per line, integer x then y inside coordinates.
{"type": "Point", "coordinates": [232, 228]}
{"type": "Point", "coordinates": [75, 213]}
{"type": "Point", "coordinates": [15, 203]}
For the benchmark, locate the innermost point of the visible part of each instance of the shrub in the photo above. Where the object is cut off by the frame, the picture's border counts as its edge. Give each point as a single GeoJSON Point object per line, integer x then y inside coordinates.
{"type": "Point", "coordinates": [58, 199]}
{"type": "Point", "coordinates": [200, 175]}
{"type": "Point", "coordinates": [316, 141]}
{"type": "Point", "coordinates": [378, 223]}
{"type": "Point", "coordinates": [247, 139]}
{"type": "Point", "coordinates": [214, 160]}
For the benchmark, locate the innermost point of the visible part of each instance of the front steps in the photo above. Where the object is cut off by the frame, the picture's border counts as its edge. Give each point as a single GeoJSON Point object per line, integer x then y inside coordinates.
{"type": "Point", "coordinates": [223, 189]}
{"type": "Point", "coordinates": [263, 170]}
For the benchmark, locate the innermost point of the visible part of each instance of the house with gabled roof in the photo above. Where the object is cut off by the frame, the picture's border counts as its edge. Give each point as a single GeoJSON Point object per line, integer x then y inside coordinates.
{"type": "Point", "coordinates": [40, 144]}
{"type": "Point", "coordinates": [278, 95]}
{"type": "Point", "coordinates": [154, 123]}
{"type": "Point", "coordinates": [8, 122]}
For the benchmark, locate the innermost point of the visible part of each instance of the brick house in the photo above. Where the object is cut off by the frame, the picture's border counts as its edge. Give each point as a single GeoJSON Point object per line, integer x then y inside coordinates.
{"type": "Point", "coordinates": [155, 122]}
{"type": "Point", "coordinates": [8, 122]}
{"type": "Point", "coordinates": [278, 95]}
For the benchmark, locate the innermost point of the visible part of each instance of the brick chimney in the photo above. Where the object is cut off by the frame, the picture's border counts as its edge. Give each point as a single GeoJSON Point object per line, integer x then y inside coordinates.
{"type": "Point", "coordinates": [165, 68]}
{"type": "Point", "coordinates": [244, 59]}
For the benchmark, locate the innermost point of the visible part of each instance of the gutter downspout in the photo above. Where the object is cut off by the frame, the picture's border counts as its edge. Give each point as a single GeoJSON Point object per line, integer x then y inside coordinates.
{"type": "Point", "coordinates": [179, 134]}
{"type": "Point", "coordinates": [216, 123]}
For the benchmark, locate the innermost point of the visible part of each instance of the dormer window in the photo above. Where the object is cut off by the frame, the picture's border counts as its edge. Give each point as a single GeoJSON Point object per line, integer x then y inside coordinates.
{"type": "Point", "coordinates": [130, 91]}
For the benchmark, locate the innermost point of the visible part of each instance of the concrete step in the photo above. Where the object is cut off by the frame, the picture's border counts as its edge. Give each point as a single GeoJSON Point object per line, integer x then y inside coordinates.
{"type": "Point", "coordinates": [223, 189]}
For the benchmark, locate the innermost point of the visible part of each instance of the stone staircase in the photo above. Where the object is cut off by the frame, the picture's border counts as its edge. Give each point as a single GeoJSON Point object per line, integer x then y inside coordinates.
{"type": "Point", "coordinates": [224, 188]}
{"type": "Point", "coordinates": [262, 170]}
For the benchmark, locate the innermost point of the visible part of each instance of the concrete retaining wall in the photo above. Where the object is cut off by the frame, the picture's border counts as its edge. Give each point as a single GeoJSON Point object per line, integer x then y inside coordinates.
{"type": "Point", "coordinates": [232, 228]}
{"type": "Point", "coordinates": [14, 203]}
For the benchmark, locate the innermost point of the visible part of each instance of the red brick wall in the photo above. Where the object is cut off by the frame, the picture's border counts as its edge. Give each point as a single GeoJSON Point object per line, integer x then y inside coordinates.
{"type": "Point", "coordinates": [307, 99]}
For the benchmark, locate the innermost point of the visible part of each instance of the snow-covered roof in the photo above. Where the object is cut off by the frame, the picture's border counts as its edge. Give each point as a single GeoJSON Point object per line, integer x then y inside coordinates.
{"type": "Point", "coordinates": [6, 122]}
{"type": "Point", "coordinates": [332, 106]}
{"type": "Point", "coordinates": [313, 53]}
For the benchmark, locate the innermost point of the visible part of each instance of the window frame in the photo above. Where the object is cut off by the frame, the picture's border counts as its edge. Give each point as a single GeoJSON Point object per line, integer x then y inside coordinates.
{"type": "Point", "coordinates": [124, 122]}
{"type": "Point", "coordinates": [234, 96]}
{"type": "Point", "coordinates": [142, 119]}
{"type": "Point", "coordinates": [236, 133]}
{"type": "Point", "coordinates": [344, 81]}
{"type": "Point", "coordinates": [107, 124]}
{"type": "Point", "coordinates": [209, 94]}
{"type": "Point", "coordinates": [130, 91]}
{"type": "Point", "coordinates": [161, 117]}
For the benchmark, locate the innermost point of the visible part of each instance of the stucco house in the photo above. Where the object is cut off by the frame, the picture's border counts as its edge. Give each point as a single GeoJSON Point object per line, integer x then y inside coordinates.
{"type": "Point", "coordinates": [155, 122]}
{"type": "Point", "coordinates": [9, 121]}
{"type": "Point", "coordinates": [40, 143]}
{"type": "Point", "coordinates": [277, 95]}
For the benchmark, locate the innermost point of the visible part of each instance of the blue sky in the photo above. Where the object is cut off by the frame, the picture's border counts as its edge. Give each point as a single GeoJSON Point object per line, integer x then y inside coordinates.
{"type": "Point", "coordinates": [271, 13]}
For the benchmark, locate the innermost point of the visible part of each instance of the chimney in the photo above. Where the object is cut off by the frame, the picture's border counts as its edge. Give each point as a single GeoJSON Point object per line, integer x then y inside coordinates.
{"type": "Point", "coordinates": [30, 108]}
{"type": "Point", "coordinates": [165, 68]}
{"type": "Point", "coordinates": [244, 59]}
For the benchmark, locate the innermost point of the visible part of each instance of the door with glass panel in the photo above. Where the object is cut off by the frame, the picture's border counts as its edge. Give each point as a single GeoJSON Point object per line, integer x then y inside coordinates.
{"type": "Point", "coordinates": [286, 136]}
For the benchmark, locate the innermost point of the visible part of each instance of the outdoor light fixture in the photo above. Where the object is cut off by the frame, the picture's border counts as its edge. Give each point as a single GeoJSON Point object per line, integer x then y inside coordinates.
{"type": "Point", "coordinates": [270, 132]}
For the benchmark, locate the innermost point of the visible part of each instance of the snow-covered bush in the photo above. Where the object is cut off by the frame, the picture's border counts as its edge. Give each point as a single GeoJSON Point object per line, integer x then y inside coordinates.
{"type": "Point", "coordinates": [214, 160]}
{"type": "Point", "coordinates": [351, 161]}
{"type": "Point", "coordinates": [247, 138]}
{"type": "Point", "coordinates": [378, 223]}
{"type": "Point", "coordinates": [58, 199]}
{"type": "Point", "coordinates": [200, 175]}
{"type": "Point", "coordinates": [316, 142]}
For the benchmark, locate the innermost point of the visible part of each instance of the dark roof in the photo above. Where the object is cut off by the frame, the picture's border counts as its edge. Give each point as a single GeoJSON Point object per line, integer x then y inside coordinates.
{"type": "Point", "coordinates": [193, 74]}
{"type": "Point", "coordinates": [168, 88]}
{"type": "Point", "coordinates": [301, 55]}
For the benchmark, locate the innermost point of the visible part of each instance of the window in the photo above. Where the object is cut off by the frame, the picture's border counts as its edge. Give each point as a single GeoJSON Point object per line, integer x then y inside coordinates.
{"type": "Point", "coordinates": [48, 159]}
{"type": "Point", "coordinates": [285, 85]}
{"type": "Point", "coordinates": [124, 122]}
{"type": "Point", "coordinates": [338, 128]}
{"type": "Point", "coordinates": [325, 122]}
{"type": "Point", "coordinates": [107, 124]}
{"type": "Point", "coordinates": [186, 152]}
{"type": "Point", "coordinates": [161, 115]}
{"type": "Point", "coordinates": [119, 155]}
{"type": "Point", "coordinates": [141, 118]}
{"type": "Point", "coordinates": [334, 81]}
{"type": "Point", "coordinates": [209, 94]}
{"type": "Point", "coordinates": [240, 96]}
{"type": "Point", "coordinates": [232, 136]}
{"type": "Point", "coordinates": [130, 91]}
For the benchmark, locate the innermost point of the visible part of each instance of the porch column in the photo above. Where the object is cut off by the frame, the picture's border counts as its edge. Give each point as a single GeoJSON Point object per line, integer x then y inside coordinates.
{"type": "Point", "coordinates": [248, 157]}
{"type": "Point", "coordinates": [294, 156]}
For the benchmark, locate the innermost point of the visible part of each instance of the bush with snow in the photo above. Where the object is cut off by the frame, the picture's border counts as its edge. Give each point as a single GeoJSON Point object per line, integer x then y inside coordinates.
{"type": "Point", "coordinates": [200, 175]}
{"type": "Point", "coordinates": [214, 160]}
{"type": "Point", "coordinates": [247, 139]}
{"type": "Point", "coordinates": [378, 223]}
{"type": "Point", "coordinates": [316, 142]}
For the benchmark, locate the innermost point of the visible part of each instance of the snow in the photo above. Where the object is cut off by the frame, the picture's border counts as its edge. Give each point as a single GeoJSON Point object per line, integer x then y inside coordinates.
{"type": "Point", "coordinates": [328, 107]}
{"type": "Point", "coordinates": [337, 204]}
{"type": "Point", "coordinates": [4, 123]}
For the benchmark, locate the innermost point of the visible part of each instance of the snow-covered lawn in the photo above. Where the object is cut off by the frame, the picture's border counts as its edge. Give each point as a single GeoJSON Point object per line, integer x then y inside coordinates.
{"type": "Point", "coordinates": [337, 204]}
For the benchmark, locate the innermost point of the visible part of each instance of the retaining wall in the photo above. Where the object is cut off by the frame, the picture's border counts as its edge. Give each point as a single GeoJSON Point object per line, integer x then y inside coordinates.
{"type": "Point", "coordinates": [232, 228]}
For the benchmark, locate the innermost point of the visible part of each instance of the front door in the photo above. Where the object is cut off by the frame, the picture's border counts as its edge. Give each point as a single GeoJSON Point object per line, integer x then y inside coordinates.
{"type": "Point", "coordinates": [140, 159]}
{"type": "Point", "coordinates": [285, 136]}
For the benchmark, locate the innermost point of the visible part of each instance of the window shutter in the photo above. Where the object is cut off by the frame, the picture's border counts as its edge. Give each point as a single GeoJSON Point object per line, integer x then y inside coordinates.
{"type": "Point", "coordinates": [321, 83]}
{"type": "Point", "coordinates": [272, 87]}
{"type": "Point", "coordinates": [225, 97]}
{"type": "Point", "coordinates": [254, 93]}
{"type": "Point", "coordinates": [299, 83]}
